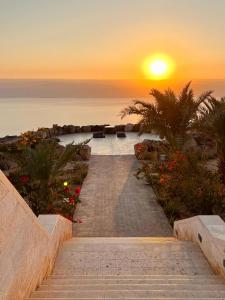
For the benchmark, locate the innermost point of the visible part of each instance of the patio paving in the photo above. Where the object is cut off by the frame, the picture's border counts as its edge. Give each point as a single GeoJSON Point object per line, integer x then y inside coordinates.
{"type": "Point", "coordinates": [116, 204]}
{"type": "Point", "coordinates": [111, 144]}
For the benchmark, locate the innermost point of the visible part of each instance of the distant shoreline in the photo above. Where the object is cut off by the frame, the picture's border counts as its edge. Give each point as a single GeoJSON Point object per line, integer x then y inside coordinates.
{"type": "Point", "coordinates": [83, 88]}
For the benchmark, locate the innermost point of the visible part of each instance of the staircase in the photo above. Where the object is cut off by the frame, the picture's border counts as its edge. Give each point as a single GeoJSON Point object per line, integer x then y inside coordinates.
{"type": "Point", "coordinates": [131, 268]}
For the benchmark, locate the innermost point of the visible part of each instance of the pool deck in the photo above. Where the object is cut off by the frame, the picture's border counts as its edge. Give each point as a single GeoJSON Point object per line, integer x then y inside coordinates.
{"type": "Point", "coordinates": [116, 204]}
{"type": "Point", "coordinates": [111, 144]}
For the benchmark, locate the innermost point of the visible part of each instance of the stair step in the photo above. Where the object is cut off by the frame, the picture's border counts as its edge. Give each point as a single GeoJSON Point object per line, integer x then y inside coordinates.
{"type": "Point", "coordinates": [151, 294]}
{"type": "Point", "coordinates": [129, 298]}
{"type": "Point", "coordinates": [106, 298]}
{"type": "Point", "coordinates": [128, 287]}
{"type": "Point", "coordinates": [69, 281]}
{"type": "Point", "coordinates": [119, 240]}
{"type": "Point", "coordinates": [134, 277]}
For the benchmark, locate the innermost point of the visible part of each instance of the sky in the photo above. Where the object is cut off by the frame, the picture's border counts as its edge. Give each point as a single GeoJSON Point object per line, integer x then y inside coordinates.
{"type": "Point", "coordinates": [109, 39]}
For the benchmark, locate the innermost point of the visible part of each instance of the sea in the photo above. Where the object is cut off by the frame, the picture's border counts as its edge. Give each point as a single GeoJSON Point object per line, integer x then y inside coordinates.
{"type": "Point", "coordinates": [18, 115]}
{"type": "Point", "coordinates": [32, 104]}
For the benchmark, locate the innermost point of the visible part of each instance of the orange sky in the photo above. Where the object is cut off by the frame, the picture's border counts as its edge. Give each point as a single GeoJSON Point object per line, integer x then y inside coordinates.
{"type": "Point", "coordinates": [101, 39]}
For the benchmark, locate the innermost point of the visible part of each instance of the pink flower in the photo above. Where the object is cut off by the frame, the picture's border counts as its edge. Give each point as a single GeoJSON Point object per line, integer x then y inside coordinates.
{"type": "Point", "coordinates": [78, 220]}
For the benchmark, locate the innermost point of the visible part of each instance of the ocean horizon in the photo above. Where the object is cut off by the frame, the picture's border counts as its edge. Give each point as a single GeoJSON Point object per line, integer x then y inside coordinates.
{"type": "Point", "coordinates": [18, 115]}
{"type": "Point", "coordinates": [31, 104]}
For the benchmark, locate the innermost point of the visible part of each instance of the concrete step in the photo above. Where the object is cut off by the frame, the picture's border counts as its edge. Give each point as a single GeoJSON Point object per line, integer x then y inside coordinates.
{"type": "Point", "coordinates": [101, 268]}
{"type": "Point", "coordinates": [131, 286]}
{"type": "Point", "coordinates": [124, 294]}
{"type": "Point", "coordinates": [119, 240]}
{"type": "Point", "coordinates": [77, 281]}
{"type": "Point", "coordinates": [137, 277]}
{"type": "Point", "coordinates": [100, 298]}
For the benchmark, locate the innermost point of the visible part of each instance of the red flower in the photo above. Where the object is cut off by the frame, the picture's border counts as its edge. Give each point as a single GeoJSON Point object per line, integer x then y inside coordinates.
{"type": "Point", "coordinates": [162, 180]}
{"type": "Point", "coordinates": [78, 220]}
{"type": "Point", "coordinates": [24, 178]}
{"type": "Point", "coordinates": [77, 190]}
{"type": "Point", "coordinates": [66, 190]}
{"type": "Point", "coordinates": [171, 165]}
{"type": "Point", "coordinates": [72, 200]}
{"type": "Point", "coordinates": [138, 147]}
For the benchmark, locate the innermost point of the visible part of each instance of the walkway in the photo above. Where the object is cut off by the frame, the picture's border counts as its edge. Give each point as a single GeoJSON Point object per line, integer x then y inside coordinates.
{"type": "Point", "coordinates": [116, 204]}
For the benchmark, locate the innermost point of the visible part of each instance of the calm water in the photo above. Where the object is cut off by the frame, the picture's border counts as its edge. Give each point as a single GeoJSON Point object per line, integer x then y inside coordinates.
{"type": "Point", "coordinates": [20, 114]}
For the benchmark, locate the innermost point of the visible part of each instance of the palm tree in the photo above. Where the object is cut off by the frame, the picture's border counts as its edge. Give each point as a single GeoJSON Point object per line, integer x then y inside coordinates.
{"type": "Point", "coordinates": [169, 116]}
{"type": "Point", "coordinates": [212, 123]}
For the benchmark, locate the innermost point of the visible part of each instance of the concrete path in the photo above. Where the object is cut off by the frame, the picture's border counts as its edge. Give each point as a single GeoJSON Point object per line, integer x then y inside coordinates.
{"type": "Point", "coordinates": [116, 204]}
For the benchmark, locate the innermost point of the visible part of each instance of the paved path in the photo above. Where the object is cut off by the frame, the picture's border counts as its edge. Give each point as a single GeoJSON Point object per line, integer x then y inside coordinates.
{"type": "Point", "coordinates": [114, 203]}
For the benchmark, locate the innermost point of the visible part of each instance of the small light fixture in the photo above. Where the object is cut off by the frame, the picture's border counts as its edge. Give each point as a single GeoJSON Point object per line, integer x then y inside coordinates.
{"type": "Point", "coordinates": [199, 237]}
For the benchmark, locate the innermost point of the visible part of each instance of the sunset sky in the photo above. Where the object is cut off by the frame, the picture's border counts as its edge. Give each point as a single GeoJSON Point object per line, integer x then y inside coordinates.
{"type": "Point", "coordinates": [103, 39]}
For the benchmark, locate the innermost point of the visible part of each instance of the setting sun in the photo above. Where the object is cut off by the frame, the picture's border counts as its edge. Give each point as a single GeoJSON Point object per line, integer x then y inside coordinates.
{"type": "Point", "coordinates": [158, 67]}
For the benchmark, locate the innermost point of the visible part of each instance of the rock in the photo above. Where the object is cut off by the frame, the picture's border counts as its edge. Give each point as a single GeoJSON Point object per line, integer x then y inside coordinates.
{"type": "Point", "coordinates": [85, 128]}
{"type": "Point", "coordinates": [9, 139]}
{"type": "Point", "coordinates": [136, 128]}
{"type": "Point", "coordinates": [98, 134]}
{"type": "Point", "coordinates": [71, 129]}
{"type": "Point", "coordinates": [43, 133]}
{"type": "Point", "coordinates": [51, 132]}
{"type": "Point", "coordinates": [95, 128]}
{"type": "Point", "coordinates": [110, 130]}
{"type": "Point", "coordinates": [77, 129]}
{"type": "Point", "coordinates": [121, 134]}
{"type": "Point", "coordinates": [85, 152]}
{"type": "Point", "coordinates": [120, 128]}
{"type": "Point", "coordinates": [150, 150]}
{"type": "Point", "coordinates": [129, 127]}
{"type": "Point", "coordinates": [57, 129]}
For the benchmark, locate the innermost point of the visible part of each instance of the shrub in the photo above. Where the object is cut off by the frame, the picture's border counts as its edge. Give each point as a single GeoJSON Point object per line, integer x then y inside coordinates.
{"type": "Point", "coordinates": [185, 188]}
{"type": "Point", "coordinates": [40, 179]}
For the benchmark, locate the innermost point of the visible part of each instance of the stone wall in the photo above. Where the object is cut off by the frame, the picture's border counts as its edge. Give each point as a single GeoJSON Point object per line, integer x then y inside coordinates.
{"type": "Point", "coordinates": [28, 245]}
{"type": "Point", "coordinates": [57, 130]}
{"type": "Point", "coordinates": [209, 233]}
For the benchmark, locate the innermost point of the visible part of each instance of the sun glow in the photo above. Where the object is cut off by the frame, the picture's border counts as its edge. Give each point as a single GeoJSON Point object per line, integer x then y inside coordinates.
{"type": "Point", "coordinates": [158, 67]}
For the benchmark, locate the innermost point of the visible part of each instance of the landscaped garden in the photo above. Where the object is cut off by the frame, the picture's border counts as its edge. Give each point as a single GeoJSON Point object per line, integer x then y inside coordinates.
{"type": "Point", "coordinates": [192, 132]}
{"type": "Point", "coordinates": [47, 175]}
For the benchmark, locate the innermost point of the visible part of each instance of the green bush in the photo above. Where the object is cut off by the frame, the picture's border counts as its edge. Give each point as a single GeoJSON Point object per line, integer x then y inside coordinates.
{"type": "Point", "coordinates": [185, 188]}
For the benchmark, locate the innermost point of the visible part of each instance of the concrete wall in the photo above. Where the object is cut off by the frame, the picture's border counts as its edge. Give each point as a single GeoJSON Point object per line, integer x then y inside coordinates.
{"type": "Point", "coordinates": [28, 245]}
{"type": "Point", "coordinates": [209, 233]}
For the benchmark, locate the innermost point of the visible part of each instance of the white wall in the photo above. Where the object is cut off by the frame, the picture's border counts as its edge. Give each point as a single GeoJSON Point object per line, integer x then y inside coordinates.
{"type": "Point", "coordinates": [209, 233]}
{"type": "Point", "coordinates": [28, 245]}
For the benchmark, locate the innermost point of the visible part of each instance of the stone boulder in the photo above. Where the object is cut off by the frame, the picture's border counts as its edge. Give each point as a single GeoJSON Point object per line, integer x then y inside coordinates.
{"type": "Point", "coordinates": [120, 128]}
{"type": "Point", "coordinates": [150, 150]}
{"type": "Point", "coordinates": [129, 127]}
{"type": "Point", "coordinates": [86, 128]}
{"type": "Point", "coordinates": [110, 130]}
{"type": "Point", "coordinates": [95, 128]}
